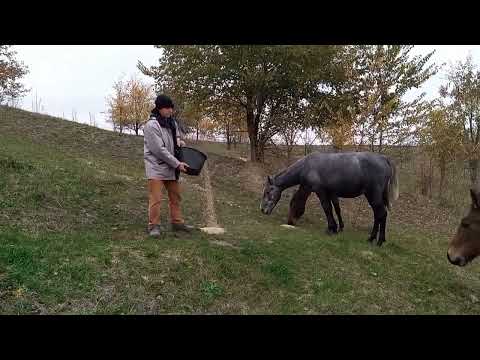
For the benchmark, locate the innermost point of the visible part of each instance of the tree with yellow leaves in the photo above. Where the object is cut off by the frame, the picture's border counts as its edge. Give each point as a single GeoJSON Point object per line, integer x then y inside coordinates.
{"type": "Point", "coordinates": [340, 130]}
{"type": "Point", "coordinates": [383, 74]}
{"type": "Point", "coordinates": [140, 98]}
{"type": "Point", "coordinates": [11, 72]}
{"type": "Point", "coordinates": [441, 137]}
{"type": "Point", "coordinates": [192, 114]}
{"type": "Point", "coordinates": [117, 106]}
{"type": "Point", "coordinates": [130, 105]}
{"type": "Point", "coordinates": [463, 93]}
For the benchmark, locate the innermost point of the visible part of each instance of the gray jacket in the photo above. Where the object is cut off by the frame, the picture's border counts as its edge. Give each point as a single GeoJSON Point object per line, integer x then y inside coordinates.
{"type": "Point", "coordinates": [158, 150]}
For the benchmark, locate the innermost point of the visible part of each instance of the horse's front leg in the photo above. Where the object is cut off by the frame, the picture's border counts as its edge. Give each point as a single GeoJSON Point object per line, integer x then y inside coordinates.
{"type": "Point", "coordinates": [327, 208]}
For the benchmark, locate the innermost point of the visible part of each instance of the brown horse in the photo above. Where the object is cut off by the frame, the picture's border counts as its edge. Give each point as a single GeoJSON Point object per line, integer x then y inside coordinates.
{"type": "Point", "coordinates": [298, 202]}
{"type": "Point", "coordinates": [465, 245]}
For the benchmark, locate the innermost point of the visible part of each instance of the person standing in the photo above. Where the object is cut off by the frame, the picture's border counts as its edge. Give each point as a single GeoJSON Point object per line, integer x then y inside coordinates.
{"type": "Point", "coordinates": [163, 167]}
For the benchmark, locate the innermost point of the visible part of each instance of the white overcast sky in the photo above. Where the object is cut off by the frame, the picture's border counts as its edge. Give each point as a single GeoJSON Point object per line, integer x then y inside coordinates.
{"type": "Point", "coordinates": [79, 77]}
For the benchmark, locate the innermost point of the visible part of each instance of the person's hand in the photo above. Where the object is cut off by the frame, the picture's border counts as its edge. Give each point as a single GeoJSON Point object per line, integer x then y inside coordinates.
{"type": "Point", "coordinates": [183, 167]}
{"type": "Point", "coordinates": [181, 143]}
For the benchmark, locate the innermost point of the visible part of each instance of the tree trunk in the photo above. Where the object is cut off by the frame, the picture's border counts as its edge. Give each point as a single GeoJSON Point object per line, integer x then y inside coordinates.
{"type": "Point", "coordinates": [423, 180]}
{"type": "Point", "coordinates": [252, 131]}
{"type": "Point", "coordinates": [260, 152]}
{"type": "Point", "coordinates": [253, 144]}
{"type": "Point", "coordinates": [430, 195]}
{"type": "Point", "coordinates": [380, 142]}
{"type": "Point", "coordinates": [229, 142]}
{"type": "Point", "coordinates": [197, 131]}
{"type": "Point", "coordinates": [289, 152]}
{"type": "Point", "coordinates": [473, 170]}
{"type": "Point", "coordinates": [426, 178]}
{"type": "Point", "coordinates": [372, 143]}
{"type": "Point", "coordinates": [360, 144]}
{"type": "Point", "coordinates": [442, 178]}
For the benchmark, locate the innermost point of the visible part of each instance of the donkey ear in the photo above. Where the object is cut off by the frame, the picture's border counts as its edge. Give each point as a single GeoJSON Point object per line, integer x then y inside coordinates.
{"type": "Point", "coordinates": [269, 179]}
{"type": "Point", "coordinates": [475, 199]}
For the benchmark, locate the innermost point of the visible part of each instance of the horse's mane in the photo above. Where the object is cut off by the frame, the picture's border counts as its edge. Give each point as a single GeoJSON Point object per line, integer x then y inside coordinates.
{"type": "Point", "coordinates": [289, 168]}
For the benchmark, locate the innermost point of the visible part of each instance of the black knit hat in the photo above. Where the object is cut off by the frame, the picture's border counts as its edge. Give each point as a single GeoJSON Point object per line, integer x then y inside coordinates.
{"type": "Point", "coordinates": [163, 101]}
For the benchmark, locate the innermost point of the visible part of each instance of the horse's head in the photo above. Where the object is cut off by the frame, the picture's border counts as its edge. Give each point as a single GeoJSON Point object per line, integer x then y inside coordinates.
{"type": "Point", "coordinates": [271, 195]}
{"type": "Point", "coordinates": [465, 245]}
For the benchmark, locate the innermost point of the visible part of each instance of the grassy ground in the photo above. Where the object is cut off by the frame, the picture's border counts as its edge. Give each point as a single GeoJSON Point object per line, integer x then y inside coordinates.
{"type": "Point", "coordinates": [72, 239]}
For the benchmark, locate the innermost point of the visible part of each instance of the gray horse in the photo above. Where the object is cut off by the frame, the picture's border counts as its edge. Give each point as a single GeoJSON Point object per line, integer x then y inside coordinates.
{"type": "Point", "coordinates": [337, 175]}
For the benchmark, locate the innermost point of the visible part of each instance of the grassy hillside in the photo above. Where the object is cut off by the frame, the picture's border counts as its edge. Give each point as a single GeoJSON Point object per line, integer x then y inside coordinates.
{"type": "Point", "coordinates": [72, 239]}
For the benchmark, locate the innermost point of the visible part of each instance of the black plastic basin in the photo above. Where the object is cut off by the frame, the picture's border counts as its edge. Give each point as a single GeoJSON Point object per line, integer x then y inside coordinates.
{"type": "Point", "coordinates": [194, 159]}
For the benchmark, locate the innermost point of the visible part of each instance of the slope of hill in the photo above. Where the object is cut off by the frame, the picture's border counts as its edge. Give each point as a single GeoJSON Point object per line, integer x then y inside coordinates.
{"type": "Point", "coordinates": [72, 239]}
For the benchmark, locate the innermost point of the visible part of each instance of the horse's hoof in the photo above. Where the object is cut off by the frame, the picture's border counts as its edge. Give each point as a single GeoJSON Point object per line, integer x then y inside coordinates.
{"type": "Point", "coordinates": [340, 230]}
{"type": "Point", "coordinates": [379, 243]}
{"type": "Point", "coordinates": [330, 232]}
{"type": "Point", "coordinates": [370, 239]}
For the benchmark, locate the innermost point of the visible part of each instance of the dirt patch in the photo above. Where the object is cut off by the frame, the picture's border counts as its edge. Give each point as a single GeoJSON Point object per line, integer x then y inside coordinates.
{"type": "Point", "coordinates": [249, 176]}
{"type": "Point", "coordinates": [409, 210]}
{"type": "Point", "coordinates": [252, 177]}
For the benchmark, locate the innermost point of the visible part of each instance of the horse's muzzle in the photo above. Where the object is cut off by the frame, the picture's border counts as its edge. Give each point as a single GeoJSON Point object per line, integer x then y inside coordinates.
{"type": "Point", "coordinates": [458, 260]}
{"type": "Point", "coordinates": [266, 211]}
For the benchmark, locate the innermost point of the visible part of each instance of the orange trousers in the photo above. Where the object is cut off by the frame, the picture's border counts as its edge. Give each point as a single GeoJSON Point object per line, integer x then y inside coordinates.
{"type": "Point", "coordinates": [155, 194]}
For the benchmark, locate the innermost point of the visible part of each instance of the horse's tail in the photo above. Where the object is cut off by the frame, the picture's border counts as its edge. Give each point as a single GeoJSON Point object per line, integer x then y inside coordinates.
{"type": "Point", "coordinates": [391, 190]}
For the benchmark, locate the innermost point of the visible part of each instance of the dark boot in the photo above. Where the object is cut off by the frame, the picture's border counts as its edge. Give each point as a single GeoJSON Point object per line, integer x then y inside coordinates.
{"type": "Point", "coordinates": [182, 228]}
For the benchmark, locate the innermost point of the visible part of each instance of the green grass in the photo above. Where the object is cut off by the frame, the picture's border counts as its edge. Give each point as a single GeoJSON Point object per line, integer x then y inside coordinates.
{"type": "Point", "coordinates": [72, 240]}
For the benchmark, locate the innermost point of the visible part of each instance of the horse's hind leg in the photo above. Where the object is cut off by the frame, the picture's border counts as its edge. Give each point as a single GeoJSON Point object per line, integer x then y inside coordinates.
{"type": "Point", "coordinates": [336, 206]}
{"type": "Point", "coordinates": [380, 217]}
{"type": "Point", "coordinates": [327, 207]}
{"type": "Point", "coordinates": [373, 234]}
{"type": "Point", "coordinates": [383, 224]}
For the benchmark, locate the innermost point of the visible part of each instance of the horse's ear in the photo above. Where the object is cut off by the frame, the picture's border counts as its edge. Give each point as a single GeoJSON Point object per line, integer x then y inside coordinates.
{"type": "Point", "coordinates": [270, 180]}
{"type": "Point", "coordinates": [474, 196]}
